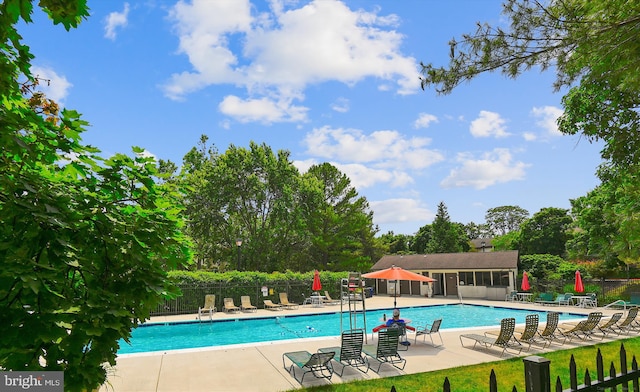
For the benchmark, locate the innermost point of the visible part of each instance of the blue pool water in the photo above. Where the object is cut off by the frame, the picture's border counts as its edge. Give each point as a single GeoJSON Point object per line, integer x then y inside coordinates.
{"type": "Point", "coordinates": [182, 335]}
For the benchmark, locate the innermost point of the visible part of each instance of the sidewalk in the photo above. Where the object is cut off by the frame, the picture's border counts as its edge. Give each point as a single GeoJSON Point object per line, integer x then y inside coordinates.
{"type": "Point", "coordinates": [258, 367]}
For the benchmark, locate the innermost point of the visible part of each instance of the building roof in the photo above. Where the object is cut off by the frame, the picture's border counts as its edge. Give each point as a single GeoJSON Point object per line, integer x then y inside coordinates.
{"type": "Point", "coordinates": [452, 261]}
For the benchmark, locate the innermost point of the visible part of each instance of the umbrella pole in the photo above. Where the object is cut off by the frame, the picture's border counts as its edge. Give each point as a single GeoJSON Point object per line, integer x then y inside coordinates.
{"type": "Point", "coordinates": [395, 294]}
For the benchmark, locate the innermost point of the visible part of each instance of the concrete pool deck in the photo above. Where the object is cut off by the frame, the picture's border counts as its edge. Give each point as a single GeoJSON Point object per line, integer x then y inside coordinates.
{"type": "Point", "coordinates": [258, 367]}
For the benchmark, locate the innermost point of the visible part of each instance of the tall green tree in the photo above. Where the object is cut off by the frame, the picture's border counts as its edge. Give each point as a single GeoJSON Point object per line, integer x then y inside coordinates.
{"type": "Point", "coordinates": [593, 47]}
{"type": "Point", "coordinates": [338, 220]}
{"type": "Point", "coordinates": [250, 194]}
{"type": "Point", "coordinates": [446, 236]}
{"type": "Point", "coordinates": [85, 242]}
{"type": "Point", "coordinates": [504, 219]}
{"type": "Point", "coordinates": [546, 232]}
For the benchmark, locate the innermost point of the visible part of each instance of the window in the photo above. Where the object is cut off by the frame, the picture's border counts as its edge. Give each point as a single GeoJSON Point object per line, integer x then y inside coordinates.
{"type": "Point", "coordinates": [483, 278]}
{"type": "Point", "coordinates": [500, 278]}
{"type": "Point", "coordinates": [466, 278]}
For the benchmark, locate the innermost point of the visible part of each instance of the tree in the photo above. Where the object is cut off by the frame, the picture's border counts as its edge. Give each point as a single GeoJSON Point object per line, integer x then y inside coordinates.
{"type": "Point", "coordinates": [84, 242]}
{"type": "Point", "coordinates": [395, 244]}
{"type": "Point", "coordinates": [421, 239]}
{"type": "Point", "coordinates": [590, 43]}
{"type": "Point", "coordinates": [338, 221]}
{"type": "Point", "coordinates": [545, 232]}
{"type": "Point", "coordinates": [446, 237]}
{"type": "Point", "coordinates": [505, 219]}
{"type": "Point", "coordinates": [593, 48]}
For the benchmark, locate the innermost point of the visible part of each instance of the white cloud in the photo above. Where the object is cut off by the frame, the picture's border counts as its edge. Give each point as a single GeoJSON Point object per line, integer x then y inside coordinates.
{"type": "Point", "coordinates": [340, 105]}
{"type": "Point", "coordinates": [55, 87]}
{"type": "Point", "coordinates": [424, 120]}
{"type": "Point", "coordinates": [492, 168]}
{"type": "Point", "coordinates": [115, 20]}
{"type": "Point", "coordinates": [488, 124]}
{"type": "Point", "coordinates": [382, 149]}
{"type": "Point", "coordinates": [547, 117]}
{"type": "Point", "coordinates": [400, 210]}
{"type": "Point", "coordinates": [285, 50]}
{"type": "Point", "coordinates": [262, 110]}
{"type": "Point", "coordinates": [529, 136]}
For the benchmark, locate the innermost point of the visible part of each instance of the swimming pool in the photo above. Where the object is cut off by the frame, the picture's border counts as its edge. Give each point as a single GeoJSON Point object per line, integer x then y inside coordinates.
{"type": "Point", "coordinates": [183, 335]}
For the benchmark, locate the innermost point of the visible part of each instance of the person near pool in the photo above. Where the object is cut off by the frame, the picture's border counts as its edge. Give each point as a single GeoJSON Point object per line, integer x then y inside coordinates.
{"type": "Point", "coordinates": [395, 320]}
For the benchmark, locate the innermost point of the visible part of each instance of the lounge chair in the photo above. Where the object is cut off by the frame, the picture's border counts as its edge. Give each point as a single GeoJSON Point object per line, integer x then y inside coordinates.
{"type": "Point", "coordinates": [429, 330]}
{"type": "Point", "coordinates": [350, 351]}
{"type": "Point", "coordinates": [549, 332]}
{"type": "Point", "coordinates": [386, 351]}
{"type": "Point", "coordinates": [209, 306]}
{"type": "Point", "coordinates": [609, 325]}
{"type": "Point", "coordinates": [245, 304]}
{"type": "Point", "coordinates": [529, 334]}
{"type": "Point", "coordinates": [328, 300]}
{"type": "Point", "coordinates": [546, 299]}
{"type": "Point", "coordinates": [629, 322]}
{"type": "Point", "coordinates": [284, 302]}
{"type": "Point", "coordinates": [229, 306]}
{"type": "Point", "coordinates": [318, 364]}
{"type": "Point", "coordinates": [583, 330]}
{"type": "Point", "coordinates": [504, 339]}
{"type": "Point", "coordinates": [268, 304]}
{"type": "Point", "coordinates": [568, 299]}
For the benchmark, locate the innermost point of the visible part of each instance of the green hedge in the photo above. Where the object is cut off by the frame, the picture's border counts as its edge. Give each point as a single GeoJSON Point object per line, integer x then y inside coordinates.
{"type": "Point", "coordinates": [194, 285]}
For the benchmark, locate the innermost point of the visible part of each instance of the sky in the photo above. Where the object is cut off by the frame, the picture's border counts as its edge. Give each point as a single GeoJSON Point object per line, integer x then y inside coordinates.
{"type": "Point", "coordinates": [330, 81]}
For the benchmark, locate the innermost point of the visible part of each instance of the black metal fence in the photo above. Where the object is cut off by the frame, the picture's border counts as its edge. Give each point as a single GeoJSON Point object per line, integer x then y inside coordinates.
{"type": "Point", "coordinates": [537, 377]}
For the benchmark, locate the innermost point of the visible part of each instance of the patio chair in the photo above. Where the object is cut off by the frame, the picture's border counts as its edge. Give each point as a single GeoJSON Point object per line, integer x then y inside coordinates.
{"type": "Point", "coordinates": [318, 364]}
{"type": "Point", "coordinates": [402, 334]}
{"type": "Point", "coordinates": [245, 304]}
{"type": "Point", "coordinates": [229, 306]}
{"type": "Point", "coordinates": [504, 339]}
{"type": "Point", "coordinates": [549, 333]}
{"type": "Point", "coordinates": [350, 351]}
{"type": "Point", "coordinates": [567, 299]}
{"type": "Point", "coordinates": [629, 322]}
{"type": "Point", "coordinates": [591, 302]}
{"type": "Point", "coordinates": [284, 301]}
{"type": "Point", "coordinates": [386, 351]}
{"type": "Point", "coordinates": [209, 306]}
{"type": "Point", "coordinates": [429, 330]}
{"type": "Point", "coordinates": [328, 300]}
{"type": "Point", "coordinates": [583, 330]}
{"type": "Point", "coordinates": [269, 305]}
{"type": "Point", "coordinates": [609, 325]}
{"type": "Point", "coordinates": [512, 296]}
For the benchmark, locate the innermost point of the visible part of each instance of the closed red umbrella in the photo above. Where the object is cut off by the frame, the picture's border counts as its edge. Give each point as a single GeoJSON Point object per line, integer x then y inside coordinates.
{"type": "Point", "coordinates": [525, 282]}
{"type": "Point", "coordinates": [578, 287]}
{"type": "Point", "coordinates": [317, 285]}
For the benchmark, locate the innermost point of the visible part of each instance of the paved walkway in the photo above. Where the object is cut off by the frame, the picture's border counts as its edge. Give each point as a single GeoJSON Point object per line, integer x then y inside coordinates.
{"type": "Point", "coordinates": [258, 367]}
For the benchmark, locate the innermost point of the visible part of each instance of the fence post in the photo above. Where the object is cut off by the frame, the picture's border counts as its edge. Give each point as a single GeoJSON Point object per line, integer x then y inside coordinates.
{"type": "Point", "coordinates": [536, 374]}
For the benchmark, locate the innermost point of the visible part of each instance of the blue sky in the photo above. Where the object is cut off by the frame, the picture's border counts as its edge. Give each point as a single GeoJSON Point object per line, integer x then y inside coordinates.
{"type": "Point", "coordinates": [330, 81]}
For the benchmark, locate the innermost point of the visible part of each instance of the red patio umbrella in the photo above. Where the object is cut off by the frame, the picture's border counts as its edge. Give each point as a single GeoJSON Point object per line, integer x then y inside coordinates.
{"type": "Point", "coordinates": [317, 285]}
{"type": "Point", "coordinates": [397, 273]}
{"type": "Point", "coordinates": [525, 282]}
{"type": "Point", "coordinates": [578, 287]}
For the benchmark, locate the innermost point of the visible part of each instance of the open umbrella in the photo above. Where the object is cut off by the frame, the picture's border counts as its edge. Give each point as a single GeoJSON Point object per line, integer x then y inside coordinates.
{"type": "Point", "coordinates": [525, 282]}
{"type": "Point", "coordinates": [317, 285]}
{"type": "Point", "coordinates": [578, 287]}
{"type": "Point", "coordinates": [397, 273]}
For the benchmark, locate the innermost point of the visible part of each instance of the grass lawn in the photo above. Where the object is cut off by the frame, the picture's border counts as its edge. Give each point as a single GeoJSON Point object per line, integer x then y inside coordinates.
{"type": "Point", "coordinates": [509, 372]}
